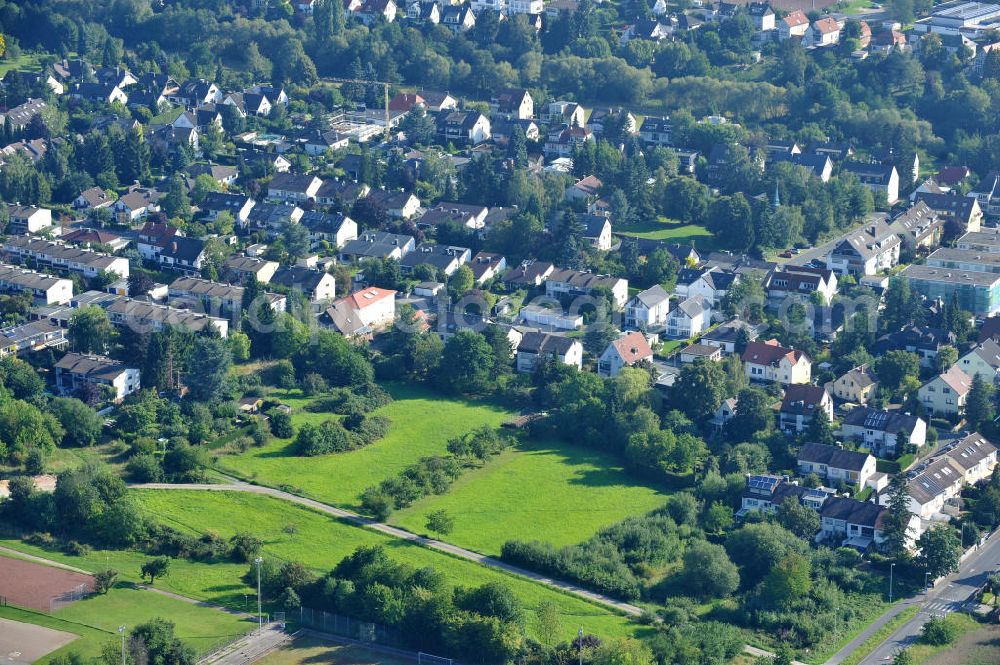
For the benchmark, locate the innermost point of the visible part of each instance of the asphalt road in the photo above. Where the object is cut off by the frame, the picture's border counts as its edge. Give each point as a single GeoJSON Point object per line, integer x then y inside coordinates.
{"type": "Point", "coordinates": [950, 595]}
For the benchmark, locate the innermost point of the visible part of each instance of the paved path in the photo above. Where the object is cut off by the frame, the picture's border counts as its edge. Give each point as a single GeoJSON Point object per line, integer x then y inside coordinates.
{"type": "Point", "coordinates": [448, 548]}
{"type": "Point", "coordinates": [18, 554]}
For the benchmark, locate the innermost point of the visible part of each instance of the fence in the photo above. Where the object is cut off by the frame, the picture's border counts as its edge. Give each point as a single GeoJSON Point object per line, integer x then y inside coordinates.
{"type": "Point", "coordinates": [78, 592]}
{"type": "Point", "coordinates": [338, 624]}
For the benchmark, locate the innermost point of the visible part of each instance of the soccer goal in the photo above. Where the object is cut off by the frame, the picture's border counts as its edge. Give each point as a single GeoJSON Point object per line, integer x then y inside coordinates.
{"type": "Point", "coordinates": [430, 659]}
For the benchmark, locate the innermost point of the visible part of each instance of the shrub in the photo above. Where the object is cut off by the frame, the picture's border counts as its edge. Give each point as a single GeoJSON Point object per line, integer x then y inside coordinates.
{"type": "Point", "coordinates": [144, 468]}
{"type": "Point", "coordinates": [281, 424]}
{"type": "Point", "coordinates": [74, 548]}
{"type": "Point", "coordinates": [938, 632]}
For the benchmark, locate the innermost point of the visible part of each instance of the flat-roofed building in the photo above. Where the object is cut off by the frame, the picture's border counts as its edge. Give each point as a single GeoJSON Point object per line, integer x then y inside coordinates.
{"type": "Point", "coordinates": [977, 292]}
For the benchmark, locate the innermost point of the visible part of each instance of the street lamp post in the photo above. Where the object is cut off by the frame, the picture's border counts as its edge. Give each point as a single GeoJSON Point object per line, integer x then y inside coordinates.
{"type": "Point", "coordinates": [121, 629]}
{"type": "Point", "coordinates": [925, 580]}
{"type": "Point", "coordinates": [891, 566]}
{"type": "Point", "coordinates": [579, 636]}
{"type": "Point", "coordinates": [260, 615]}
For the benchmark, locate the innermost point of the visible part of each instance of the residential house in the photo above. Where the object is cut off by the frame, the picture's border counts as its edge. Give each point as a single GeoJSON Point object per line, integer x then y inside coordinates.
{"type": "Point", "coordinates": [136, 204]}
{"type": "Point", "coordinates": [62, 258]}
{"type": "Point", "coordinates": [28, 219]}
{"type": "Point", "coordinates": [322, 142]}
{"type": "Point", "coordinates": [87, 237]}
{"type": "Point", "coordinates": [194, 93]}
{"type": "Point", "coordinates": [881, 179]}
{"type": "Point", "coordinates": [984, 360]}
{"type": "Point", "coordinates": [800, 403]}
{"type": "Point", "coordinates": [469, 216]}
{"type": "Point", "coordinates": [486, 266]}
{"type": "Point", "coordinates": [626, 351]}
{"type": "Point", "coordinates": [691, 317]}
{"type": "Point", "coordinates": [847, 522]}
{"type": "Point", "coordinates": [502, 129]}
{"type": "Point", "coordinates": [223, 175]}
{"type": "Point", "coordinates": [824, 32]}
{"type": "Point", "coordinates": [242, 268]}
{"type": "Point", "coordinates": [563, 142]}
{"type": "Point", "coordinates": [925, 342]}
{"type": "Point", "coordinates": [514, 102]}
{"type": "Point", "coordinates": [371, 11]}
{"type": "Point", "coordinates": [214, 297]}
{"type": "Point", "coordinates": [694, 352]}
{"type": "Point", "coordinates": [946, 393]}
{"type": "Point", "coordinates": [550, 318]}
{"type": "Point", "coordinates": [800, 281]}
{"type": "Point", "coordinates": [272, 217]}
{"type": "Point", "coordinates": [21, 115]}
{"type": "Point", "coordinates": [444, 259]}
{"type": "Point", "coordinates": [30, 337]}
{"type": "Point", "coordinates": [586, 189]}
{"type": "Point", "coordinates": [730, 335]}
{"type": "Point", "coordinates": [762, 15]}
{"type": "Point", "coordinates": [436, 102]}
{"type": "Point", "coordinates": [919, 227]}
{"type": "Point", "coordinates": [962, 214]}
{"type": "Point", "coordinates": [93, 198]}
{"type": "Point", "coordinates": [378, 245]}
{"type": "Point", "coordinates": [335, 230]}
{"type": "Point", "coordinates": [528, 273]}
{"type": "Point", "coordinates": [712, 284]}
{"type": "Point", "coordinates": [769, 361]}
{"type": "Point", "coordinates": [141, 315]}
{"type": "Point", "coordinates": [655, 131]}
{"type": "Point", "coordinates": [765, 492]}
{"type": "Point", "coordinates": [976, 455]}
{"type": "Point", "coordinates": [794, 24]}
{"type": "Point", "coordinates": [648, 310]}
{"type": "Point", "coordinates": [557, 348]}
{"type": "Point", "coordinates": [396, 203]}
{"type": "Point", "coordinates": [292, 187]}
{"type": "Point", "coordinates": [724, 413]}
{"type": "Point", "coordinates": [237, 205]}
{"type": "Point", "coordinates": [987, 194]}
{"type": "Point", "coordinates": [817, 165]}
{"type": "Point", "coordinates": [568, 114]}
{"type": "Point", "coordinates": [99, 92]}
{"type": "Point", "coordinates": [463, 127]}
{"type": "Point", "coordinates": [601, 119]}
{"type": "Point", "coordinates": [835, 464]}
{"type": "Point", "coordinates": [458, 18]}
{"type": "Point", "coordinates": [318, 286]}
{"type": "Point", "coordinates": [43, 289]}
{"type": "Point", "coordinates": [881, 430]}
{"type": "Point", "coordinates": [856, 385]}
{"type": "Point", "coordinates": [573, 283]}
{"type": "Point", "coordinates": [74, 371]}
{"type": "Point", "coordinates": [888, 41]}
{"type": "Point", "coordinates": [363, 312]}
{"type": "Point", "coordinates": [940, 482]}
{"type": "Point", "coordinates": [182, 254]}
{"type": "Point", "coordinates": [865, 251]}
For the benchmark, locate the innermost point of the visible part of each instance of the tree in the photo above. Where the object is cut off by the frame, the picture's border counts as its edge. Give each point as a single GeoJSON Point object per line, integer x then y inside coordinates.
{"type": "Point", "coordinates": [979, 408]}
{"type": "Point", "coordinates": [548, 623]}
{"type": "Point", "coordinates": [176, 202]}
{"type": "Point", "coordinates": [208, 367]}
{"type": "Point", "coordinates": [155, 642]}
{"type": "Point", "coordinates": [623, 651]}
{"type": "Point", "coordinates": [493, 599]}
{"type": "Point", "coordinates": [893, 367]}
{"type": "Point", "coordinates": [820, 429]}
{"type": "Point", "coordinates": [154, 568]}
{"type": "Point", "coordinates": [81, 423]}
{"type": "Point", "coordinates": [104, 580]}
{"type": "Point", "coordinates": [466, 363]}
{"type": "Point", "coordinates": [938, 631]}
{"type": "Point", "coordinates": [804, 522]}
{"type": "Point", "coordinates": [708, 572]}
{"type": "Point", "coordinates": [753, 414]}
{"type": "Point", "coordinates": [946, 357]}
{"type": "Point", "coordinates": [903, 657]}
{"type": "Point", "coordinates": [441, 522]}
{"type": "Point", "coordinates": [897, 521]}
{"type": "Point", "coordinates": [90, 330]}
{"type": "Point", "coordinates": [281, 424]}
{"type": "Point", "coordinates": [703, 386]}
{"type": "Point", "coordinates": [461, 281]}
{"type": "Point", "coordinates": [788, 581]}
{"type": "Point", "coordinates": [940, 550]}
{"type": "Point", "coordinates": [139, 283]}
{"type": "Point", "coordinates": [718, 518]}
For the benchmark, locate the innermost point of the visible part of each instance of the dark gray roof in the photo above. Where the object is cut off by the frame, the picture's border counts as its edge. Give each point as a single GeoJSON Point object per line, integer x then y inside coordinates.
{"type": "Point", "coordinates": [832, 456]}
{"type": "Point", "coordinates": [539, 342]}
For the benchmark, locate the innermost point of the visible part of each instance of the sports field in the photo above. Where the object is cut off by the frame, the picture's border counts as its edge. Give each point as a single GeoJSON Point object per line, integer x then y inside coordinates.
{"type": "Point", "coordinates": [422, 424]}
{"type": "Point", "coordinates": [40, 587]}
{"type": "Point", "coordinates": [549, 491]}
{"type": "Point", "coordinates": [26, 643]}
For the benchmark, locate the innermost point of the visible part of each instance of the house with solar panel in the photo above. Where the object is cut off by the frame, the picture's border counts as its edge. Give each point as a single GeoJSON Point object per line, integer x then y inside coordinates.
{"type": "Point", "coordinates": [880, 431]}
{"type": "Point", "coordinates": [765, 492]}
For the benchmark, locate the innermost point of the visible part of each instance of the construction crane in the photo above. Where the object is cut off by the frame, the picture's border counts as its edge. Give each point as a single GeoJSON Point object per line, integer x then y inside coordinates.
{"type": "Point", "coordinates": [385, 87]}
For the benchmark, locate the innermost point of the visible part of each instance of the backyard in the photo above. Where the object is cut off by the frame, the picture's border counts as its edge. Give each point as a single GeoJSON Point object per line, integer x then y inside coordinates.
{"type": "Point", "coordinates": [548, 491]}
{"type": "Point", "coordinates": [664, 229]}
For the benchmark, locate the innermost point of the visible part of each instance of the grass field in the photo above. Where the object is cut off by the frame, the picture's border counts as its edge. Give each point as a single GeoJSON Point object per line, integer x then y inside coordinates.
{"type": "Point", "coordinates": [422, 424]}
{"type": "Point", "coordinates": [664, 229]}
{"type": "Point", "coordinates": [308, 650]}
{"type": "Point", "coordinates": [547, 491]}
{"type": "Point", "coordinates": [292, 532]}
{"type": "Point", "coordinates": [96, 619]}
